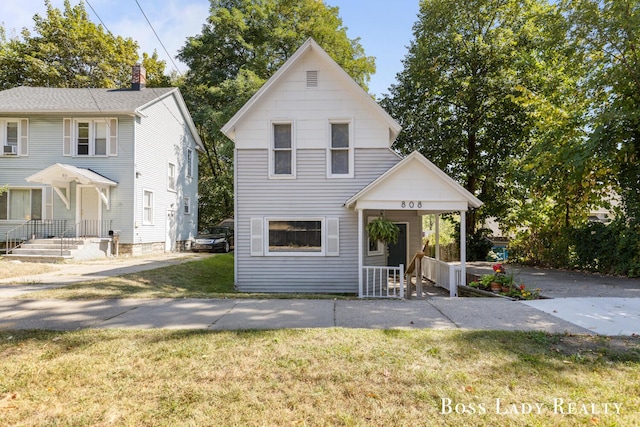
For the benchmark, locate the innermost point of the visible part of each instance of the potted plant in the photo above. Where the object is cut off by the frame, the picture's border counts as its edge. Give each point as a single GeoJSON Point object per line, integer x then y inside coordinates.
{"type": "Point", "coordinates": [383, 230]}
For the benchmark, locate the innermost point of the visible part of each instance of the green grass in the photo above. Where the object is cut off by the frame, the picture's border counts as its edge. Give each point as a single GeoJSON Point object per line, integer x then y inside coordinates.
{"type": "Point", "coordinates": [211, 277]}
{"type": "Point", "coordinates": [319, 377]}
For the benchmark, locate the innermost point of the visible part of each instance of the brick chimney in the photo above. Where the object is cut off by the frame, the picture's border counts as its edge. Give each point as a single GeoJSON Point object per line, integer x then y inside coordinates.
{"type": "Point", "coordinates": [139, 77]}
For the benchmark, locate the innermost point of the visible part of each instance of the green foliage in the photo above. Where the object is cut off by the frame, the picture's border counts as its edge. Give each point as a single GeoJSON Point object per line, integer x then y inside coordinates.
{"type": "Point", "coordinates": [612, 248]}
{"type": "Point", "coordinates": [458, 95]}
{"type": "Point", "coordinates": [383, 230]}
{"type": "Point", "coordinates": [66, 49]}
{"type": "Point", "coordinates": [241, 45]}
{"type": "Point", "coordinates": [479, 245]}
{"type": "Point", "coordinates": [608, 32]}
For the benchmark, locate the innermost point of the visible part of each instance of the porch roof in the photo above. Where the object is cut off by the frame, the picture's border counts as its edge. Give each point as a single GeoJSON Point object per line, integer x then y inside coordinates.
{"type": "Point", "coordinates": [60, 176]}
{"type": "Point", "coordinates": [414, 184]}
{"type": "Point", "coordinates": [61, 173]}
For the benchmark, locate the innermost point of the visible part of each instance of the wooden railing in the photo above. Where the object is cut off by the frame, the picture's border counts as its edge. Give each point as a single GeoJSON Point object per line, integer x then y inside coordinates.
{"type": "Point", "coordinates": [382, 282]}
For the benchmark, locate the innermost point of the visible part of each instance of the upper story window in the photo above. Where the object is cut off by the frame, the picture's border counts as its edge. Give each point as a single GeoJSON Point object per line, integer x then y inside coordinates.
{"type": "Point", "coordinates": [90, 137]}
{"type": "Point", "coordinates": [189, 162]}
{"type": "Point", "coordinates": [340, 153]}
{"type": "Point", "coordinates": [14, 137]}
{"type": "Point", "coordinates": [282, 155]}
{"type": "Point", "coordinates": [171, 177]}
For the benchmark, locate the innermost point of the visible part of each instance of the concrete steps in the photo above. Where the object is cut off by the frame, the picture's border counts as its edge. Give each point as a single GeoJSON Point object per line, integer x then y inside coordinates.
{"type": "Point", "coordinates": [47, 250]}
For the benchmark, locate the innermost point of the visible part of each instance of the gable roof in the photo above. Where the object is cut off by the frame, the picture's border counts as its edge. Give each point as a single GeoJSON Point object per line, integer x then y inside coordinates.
{"type": "Point", "coordinates": [48, 100]}
{"type": "Point", "coordinates": [414, 178]}
{"type": "Point", "coordinates": [310, 45]}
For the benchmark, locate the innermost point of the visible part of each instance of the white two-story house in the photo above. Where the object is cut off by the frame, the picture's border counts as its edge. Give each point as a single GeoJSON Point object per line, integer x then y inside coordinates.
{"type": "Point", "coordinates": [313, 165]}
{"type": "Point", "coordinates": [99, 162]}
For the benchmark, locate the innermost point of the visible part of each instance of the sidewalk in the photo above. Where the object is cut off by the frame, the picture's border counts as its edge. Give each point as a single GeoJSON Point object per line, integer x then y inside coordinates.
{"type": "Point", "coordinates": [241, 314]}
{"type": "Point", "coordinates": [615, 312]}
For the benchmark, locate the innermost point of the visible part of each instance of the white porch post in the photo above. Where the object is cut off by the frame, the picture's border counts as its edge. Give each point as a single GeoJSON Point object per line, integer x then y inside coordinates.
{"type": "Point", "coordinates": [438, 249]}
{"type": "Point", "coordinates": [360, 258]}
{"type": "Point", "coordinates": [463, 253]}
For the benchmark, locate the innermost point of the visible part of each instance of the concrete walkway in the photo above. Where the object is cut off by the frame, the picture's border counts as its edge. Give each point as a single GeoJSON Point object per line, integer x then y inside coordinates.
{"type": "Point", "coordinates": [241, 314]}
{"type": "Point", "coordinates": [616, 310]}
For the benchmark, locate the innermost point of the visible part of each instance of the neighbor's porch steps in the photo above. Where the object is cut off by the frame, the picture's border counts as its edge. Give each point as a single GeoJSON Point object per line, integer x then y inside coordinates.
{"type": "Point", "coordinates": [46, 250]}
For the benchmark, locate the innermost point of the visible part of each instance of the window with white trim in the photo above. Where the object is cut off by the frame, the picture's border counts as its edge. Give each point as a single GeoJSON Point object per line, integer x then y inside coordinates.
{"type": "Point", "coordinates": [187, 206]}
{"type": "Point", "coordinates": [295, 235]}
{"type": "Point", "coordinates": [14, 137]}
{"type": "Point", "coordinates": [340, 152]}
{"type": "Point", "coordinates": [171, 176]}
{"type": "Point", "coordinates": [189, 162]}
{"type": "Point", "coordinates": [374, 247]}
{"type": "Point", "coordinates": [282, 156]}
{"type": "Point", "coordinates": [21, 204]}
{"type": "Point", "coordinates": [315, 236]}
{"type": "Point", "coordinates": [90, 137]}
{"type": "Point", "coordinates": [147, 207]}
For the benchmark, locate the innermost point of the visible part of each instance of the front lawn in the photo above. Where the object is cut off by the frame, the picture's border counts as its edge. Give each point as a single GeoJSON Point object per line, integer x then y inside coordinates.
{"type": "Point", "coordinates": [211, 277]}
{"type": "Point", "coordinates": [318, 377]}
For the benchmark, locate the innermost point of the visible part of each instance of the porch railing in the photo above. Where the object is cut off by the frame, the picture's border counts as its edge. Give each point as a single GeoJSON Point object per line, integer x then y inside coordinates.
{"type": "Point", "coordinates": [443, 274]}
{"type": "Point", "coordinates": [93, 228]}
{"type": "Point", "coordinates": [382, 282]}
{"type": "Point", "coordinates": [56, 229]}
{"type": "Point", "coordinates": [34, 229]}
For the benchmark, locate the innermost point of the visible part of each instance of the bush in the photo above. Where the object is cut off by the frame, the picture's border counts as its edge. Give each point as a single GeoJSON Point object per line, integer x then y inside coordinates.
{"type": "Point", "coordinates": [612, 248]}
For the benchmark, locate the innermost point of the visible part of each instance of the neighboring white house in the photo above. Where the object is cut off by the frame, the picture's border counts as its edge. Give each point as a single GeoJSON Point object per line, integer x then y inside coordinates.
{"type": "Point", "coordinates": [313, 165]}
{"type": "Point", "coordinates": [94, 162]}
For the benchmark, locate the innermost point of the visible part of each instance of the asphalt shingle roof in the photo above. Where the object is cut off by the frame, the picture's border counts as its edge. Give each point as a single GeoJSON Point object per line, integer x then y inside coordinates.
{"type": "Point", "coordinates": [68, 100]}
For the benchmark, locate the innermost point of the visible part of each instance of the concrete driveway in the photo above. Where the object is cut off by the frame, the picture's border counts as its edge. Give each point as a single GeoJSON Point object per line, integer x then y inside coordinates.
{"type": "Point", "coordinates": [605, 305]}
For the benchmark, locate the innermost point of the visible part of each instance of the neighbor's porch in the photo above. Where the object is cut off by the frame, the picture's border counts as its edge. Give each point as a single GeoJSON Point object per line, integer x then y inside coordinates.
{"type": "Point", "coordinates": [83, 193]}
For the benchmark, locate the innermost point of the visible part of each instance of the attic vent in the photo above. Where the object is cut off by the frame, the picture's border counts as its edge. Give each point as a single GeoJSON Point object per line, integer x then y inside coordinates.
{"type": "Point", "coordinates": [312, 79]}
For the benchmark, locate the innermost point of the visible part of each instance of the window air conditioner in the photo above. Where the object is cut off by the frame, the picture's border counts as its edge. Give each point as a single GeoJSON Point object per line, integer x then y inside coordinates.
{"type": "Point", "coordinates": [10, 149]}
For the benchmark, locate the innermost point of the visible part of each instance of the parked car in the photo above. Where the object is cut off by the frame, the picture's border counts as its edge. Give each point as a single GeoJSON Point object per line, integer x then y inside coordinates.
{"type": "Point", "coordinates": [218, 239]}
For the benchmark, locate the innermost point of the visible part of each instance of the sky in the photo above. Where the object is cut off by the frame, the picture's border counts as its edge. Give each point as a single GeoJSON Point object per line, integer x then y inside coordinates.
{"type": "Point", "coordinates": [383, 26]}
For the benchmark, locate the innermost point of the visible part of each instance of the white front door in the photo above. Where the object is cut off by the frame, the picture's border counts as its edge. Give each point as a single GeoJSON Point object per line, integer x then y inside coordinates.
{"type": "Point", "coordinates": [88, 212]}
{"type": "Point", "coordinates": [170, 238]}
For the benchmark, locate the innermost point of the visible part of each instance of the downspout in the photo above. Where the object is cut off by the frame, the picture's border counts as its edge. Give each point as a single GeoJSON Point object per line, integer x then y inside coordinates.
{"type": "Point", "coordinates": [360, 258]}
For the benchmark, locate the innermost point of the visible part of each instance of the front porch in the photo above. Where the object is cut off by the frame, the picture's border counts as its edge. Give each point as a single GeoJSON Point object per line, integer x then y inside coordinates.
{"type": "Point", "coordinates": [404, 194]}
{"type": "Point", "coordinates": [442, 278]}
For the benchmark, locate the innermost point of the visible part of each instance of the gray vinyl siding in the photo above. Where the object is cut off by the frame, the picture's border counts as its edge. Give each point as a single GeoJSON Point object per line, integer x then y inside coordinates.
{"type": "Point", "coordinates": [310, 194]}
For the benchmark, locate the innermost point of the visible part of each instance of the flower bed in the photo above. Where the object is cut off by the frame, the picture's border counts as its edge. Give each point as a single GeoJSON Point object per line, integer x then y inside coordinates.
{"type": "Point", "coordinates": [501, 283]}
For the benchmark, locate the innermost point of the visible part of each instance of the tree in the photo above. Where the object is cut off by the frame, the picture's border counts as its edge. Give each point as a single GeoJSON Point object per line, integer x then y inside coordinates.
{"type": "Point", "coordinates": [609, 34]}
{"type": "Point", "coordinates": [457, 96]}
{"type": "Point", "coordinates": [242, 44]}
{"type": "Point", "coordinates": [66, 49]}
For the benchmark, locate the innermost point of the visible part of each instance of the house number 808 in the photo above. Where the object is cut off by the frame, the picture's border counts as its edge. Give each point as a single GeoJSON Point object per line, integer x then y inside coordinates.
{"type": "Point", "coordinates": [411, 205]}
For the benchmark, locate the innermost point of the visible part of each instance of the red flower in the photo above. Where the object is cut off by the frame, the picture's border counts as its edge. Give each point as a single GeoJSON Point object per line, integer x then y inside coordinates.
{"type": "Point", "coordinates": [522, 287]}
